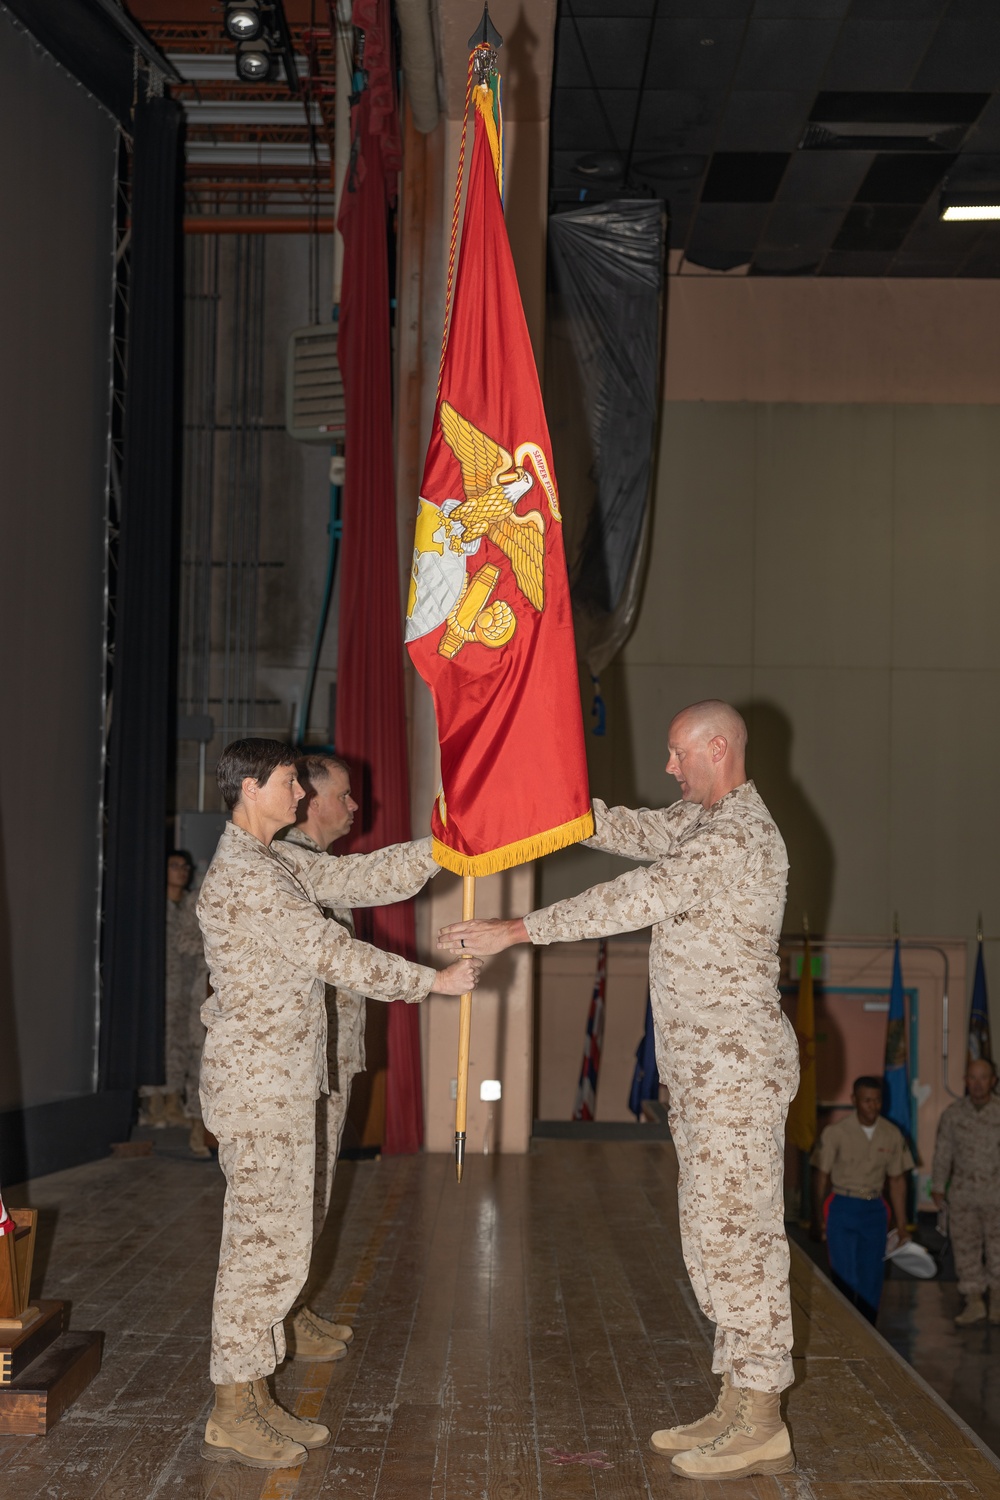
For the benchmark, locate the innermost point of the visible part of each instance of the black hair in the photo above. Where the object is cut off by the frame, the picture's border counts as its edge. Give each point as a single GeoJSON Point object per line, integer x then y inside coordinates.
{"type": "Point", "coordinates": [250, 758]}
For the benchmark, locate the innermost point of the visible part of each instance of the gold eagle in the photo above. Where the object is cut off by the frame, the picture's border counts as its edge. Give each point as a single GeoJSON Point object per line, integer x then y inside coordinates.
{"type": "Point", "coordinates": [493, 485]}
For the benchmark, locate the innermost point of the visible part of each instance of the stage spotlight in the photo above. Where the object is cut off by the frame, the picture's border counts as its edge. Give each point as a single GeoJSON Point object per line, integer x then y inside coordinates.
{"type": "Point", "coordinates": [255, 62]}
{"type": "Point", "coordinates": [242, 20]}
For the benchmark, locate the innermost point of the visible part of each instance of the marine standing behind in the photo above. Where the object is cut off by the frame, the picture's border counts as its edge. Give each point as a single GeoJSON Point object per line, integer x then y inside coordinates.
{"type": "Point", "coordinates": [326, 814]}
{"type": "Point", "coordinates": [966, 1174]}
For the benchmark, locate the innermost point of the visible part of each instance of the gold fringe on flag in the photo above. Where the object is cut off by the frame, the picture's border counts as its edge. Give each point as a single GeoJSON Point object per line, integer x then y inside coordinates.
{"type": "Point", "coordinates": [509, 855]}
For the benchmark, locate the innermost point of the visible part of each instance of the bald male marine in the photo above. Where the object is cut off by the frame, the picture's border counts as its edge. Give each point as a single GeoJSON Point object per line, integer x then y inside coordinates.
{"type": "Point", "coordinates": [713, 891]}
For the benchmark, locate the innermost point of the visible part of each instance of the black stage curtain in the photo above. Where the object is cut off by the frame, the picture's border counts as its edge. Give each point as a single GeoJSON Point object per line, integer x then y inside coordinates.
{"type": "Point", "coordinates": [143, 688]}
{"type": "Point", "coordinates": [84, 38]}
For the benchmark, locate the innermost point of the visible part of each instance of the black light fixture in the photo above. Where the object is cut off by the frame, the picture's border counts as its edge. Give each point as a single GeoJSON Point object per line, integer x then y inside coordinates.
{"type": "Point", "coordinates": [260, 30]}
{"type": "Point", "coordinates": [242, 20]}
{"type": "Point", "coordinates": [255, 62]}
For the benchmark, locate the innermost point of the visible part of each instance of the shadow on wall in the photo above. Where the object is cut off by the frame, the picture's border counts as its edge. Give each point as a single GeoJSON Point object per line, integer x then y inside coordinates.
{"type": "Point", "coordinates": [810, 849]}
{"type": "Point", "coordinates": [522, 170]}
{"type": "Point", "coordinates": [12, 1144]}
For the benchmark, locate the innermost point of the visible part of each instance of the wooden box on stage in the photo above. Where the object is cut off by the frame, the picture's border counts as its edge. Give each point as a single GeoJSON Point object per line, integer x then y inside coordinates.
{"type": "Point", "coordinates": [43, 1368]}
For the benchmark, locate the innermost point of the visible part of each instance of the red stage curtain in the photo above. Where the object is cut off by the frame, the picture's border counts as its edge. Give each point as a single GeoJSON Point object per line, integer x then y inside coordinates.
{"type": "Point", "coordinates": [371, 709]}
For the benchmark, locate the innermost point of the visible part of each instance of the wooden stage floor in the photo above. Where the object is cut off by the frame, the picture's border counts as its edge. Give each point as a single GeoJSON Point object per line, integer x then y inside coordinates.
{"type": "Point", "coordinates": [517, 1337]}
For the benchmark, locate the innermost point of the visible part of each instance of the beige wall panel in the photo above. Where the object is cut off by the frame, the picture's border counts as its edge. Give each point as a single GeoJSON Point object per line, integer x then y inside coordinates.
{"type": "Point", "coordinates": [566, 973]}
{"type": "Point", "coordinates": [819, 753]}
{"type": "Point", "coordinates": [832, 339]}
{"type": "Point", "coordinates": [945, 811]}
{"type": "Point", "coordinates": [947, 522]}
{"type": "Point", "coordinates": [823, 544]}
{"type": "Point", "coordinates": [502, 1042]}
{"type": "Point", "coordinates": [698, 600]}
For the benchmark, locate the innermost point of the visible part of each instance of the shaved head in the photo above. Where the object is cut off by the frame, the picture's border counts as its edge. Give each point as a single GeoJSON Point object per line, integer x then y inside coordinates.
{"type": "Point", "coordinates": [712, 718]}
{"type": "Point", "coordinates": [707, 743]}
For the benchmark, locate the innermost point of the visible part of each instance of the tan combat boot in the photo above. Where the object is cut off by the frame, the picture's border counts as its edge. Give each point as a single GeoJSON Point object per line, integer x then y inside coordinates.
{"type": "Point", "coordinates": [197, 1144]}
{"type": "Point", "coordinates": [236, 1432]}
{"type": "Point", "coordinates": [974, 1311]}
{"type": "Point", "coordinates": [307, 1337]}
{"type": "Point", "coordinates": [681, 1439]}
{"type": "Point", "coordinates": [173, 1110]}
{"type": "Point", "coordinates": [309, 1434]}
{"type": "Point", "coordinates": [151, 1112]}
{"type": "Point", "coordinates": [755, 1442]}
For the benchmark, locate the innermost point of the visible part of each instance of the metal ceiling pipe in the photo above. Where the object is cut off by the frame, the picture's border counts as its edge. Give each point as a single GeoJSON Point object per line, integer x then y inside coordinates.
{"type": "Point", "coordinates": [419, 62]}
{"type": "Point", "coordinates": [257, 224]}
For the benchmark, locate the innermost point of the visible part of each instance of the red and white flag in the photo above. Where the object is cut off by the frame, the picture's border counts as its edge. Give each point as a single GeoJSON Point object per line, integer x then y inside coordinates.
{"type": "Point", "coordinates": [489, 625]}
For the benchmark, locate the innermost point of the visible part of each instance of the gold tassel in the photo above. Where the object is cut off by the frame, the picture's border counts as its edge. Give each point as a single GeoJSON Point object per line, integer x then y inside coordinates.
{"type": "Point", "coordinates": [509, 855]}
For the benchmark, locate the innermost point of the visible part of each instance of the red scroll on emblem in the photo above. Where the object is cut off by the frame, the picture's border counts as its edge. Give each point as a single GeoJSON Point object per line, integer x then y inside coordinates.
{"type": "Point", "coordinates": [489, 625]}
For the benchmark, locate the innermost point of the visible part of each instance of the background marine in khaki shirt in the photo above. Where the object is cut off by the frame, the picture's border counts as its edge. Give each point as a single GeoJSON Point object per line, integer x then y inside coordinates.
{"type": "Point", "coordinates": [859, 1156]}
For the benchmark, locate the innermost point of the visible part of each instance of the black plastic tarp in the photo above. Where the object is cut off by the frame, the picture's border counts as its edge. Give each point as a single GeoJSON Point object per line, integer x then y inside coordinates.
{"type": "Point", "coordinates": [608, 275]}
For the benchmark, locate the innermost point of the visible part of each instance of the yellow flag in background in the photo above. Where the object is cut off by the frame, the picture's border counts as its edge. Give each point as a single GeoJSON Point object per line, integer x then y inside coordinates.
{"type": "Point", "coordinates": [802, 1113]}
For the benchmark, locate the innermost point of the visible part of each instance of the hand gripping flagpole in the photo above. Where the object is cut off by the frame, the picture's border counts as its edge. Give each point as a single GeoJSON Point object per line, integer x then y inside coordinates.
{"type": "Point", "coordinates": [464, 1039]}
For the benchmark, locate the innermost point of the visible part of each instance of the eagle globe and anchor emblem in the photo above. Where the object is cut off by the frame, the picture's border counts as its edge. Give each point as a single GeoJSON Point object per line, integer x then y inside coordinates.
{"type": "Point", "coordinates": [441, 588]}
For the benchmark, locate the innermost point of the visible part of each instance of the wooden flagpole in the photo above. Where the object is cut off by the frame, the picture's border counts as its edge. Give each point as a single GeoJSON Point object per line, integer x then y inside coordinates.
{"type": "Point", "coordinates": [464, 1039]}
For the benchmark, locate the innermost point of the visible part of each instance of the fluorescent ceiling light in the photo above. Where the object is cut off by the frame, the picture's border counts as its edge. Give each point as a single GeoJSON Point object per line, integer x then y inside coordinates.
{"type": "Point", "coordinates": [970, 205]}
{"type": "Point", "coordinates": [966, 213]}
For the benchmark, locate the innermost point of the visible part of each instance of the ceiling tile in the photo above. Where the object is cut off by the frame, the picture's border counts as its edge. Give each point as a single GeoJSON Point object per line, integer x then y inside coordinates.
{"type": "Point", "coordinates": [694, 53]}
{"type": "Point", "coordinates": [699, 9]}
{"type": "Point", "coordinates": [744, 176]}
{"type": "Point", "coordinates": [907, 263]}
{"type": "Point", "coordinates": [856, 263]}
{"type": "Point", "coordinates": [612, 51]}
{"type": "Point", "coordinates": [798, 9]}
{"type": "Point", "coordinates": [678, 120]}
{"type": "Point", "coordinates": [621, 8]}
{"type": "Point", "coordinates": [803, 228]}
{"type": "Point", "coordinates": [825, 176]}
{"type": "Point", "coordinates": [760, 120]}
{"type": "Point", "coordinates": [785, 54]}
{"type": "Point", "coordinates": [882, 10]}
{"type": "Point", "coordinates": [583, 122]}
{"type": "Point", "coordinates": [878, 54]}
{"type": "Point", "coordinates": [874, 227]}
{"type": "Point", "coordinates": [964, 54]}
{"type": "Point", "coordinates": [985, 134]}
{"type": "Point", "coordinates": [782, 263]}
{"type": "Point", "coordinates": [725, 234]}
{"type": "Point", "coordinates": [897, 177]}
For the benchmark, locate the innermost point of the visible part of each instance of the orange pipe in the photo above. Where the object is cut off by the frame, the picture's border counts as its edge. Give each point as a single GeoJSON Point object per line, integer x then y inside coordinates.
{"type": "Point", "coordinates": [257, 224]}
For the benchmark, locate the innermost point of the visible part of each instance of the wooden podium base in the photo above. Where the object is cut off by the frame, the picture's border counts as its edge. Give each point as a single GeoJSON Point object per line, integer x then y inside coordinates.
{"type": "Point", "coordinates": [43, 1369]}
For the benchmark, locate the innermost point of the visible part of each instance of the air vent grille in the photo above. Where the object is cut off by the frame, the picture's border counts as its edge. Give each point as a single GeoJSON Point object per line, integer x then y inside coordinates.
{"type": "Point", "coordinates": [314, 391]}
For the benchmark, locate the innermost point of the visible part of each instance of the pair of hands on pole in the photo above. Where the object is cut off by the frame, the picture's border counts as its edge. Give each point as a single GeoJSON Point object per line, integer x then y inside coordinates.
{"type": "Point", "coordinates": [482, 937]}
{"type": "Point", "coordinates": [472, 942]}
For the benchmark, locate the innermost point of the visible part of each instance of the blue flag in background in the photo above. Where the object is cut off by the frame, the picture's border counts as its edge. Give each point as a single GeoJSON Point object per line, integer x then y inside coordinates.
{"type": "Point", "coordinates": [645, 1079]}
{"type": "Point", "coordinates": [896, 1099]}
{"type": "Point", "coordinates": [979, 1015]}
